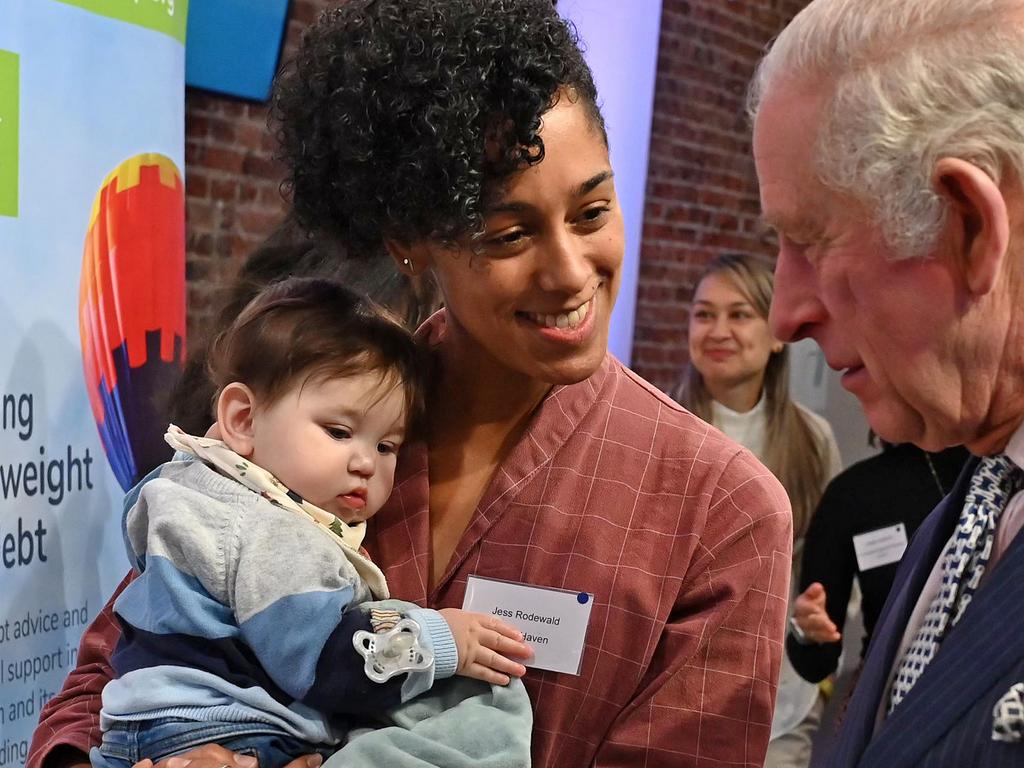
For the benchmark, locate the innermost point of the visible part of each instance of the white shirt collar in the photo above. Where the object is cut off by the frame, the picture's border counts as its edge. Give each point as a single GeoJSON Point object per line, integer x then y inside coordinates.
{"type": "Point", "coordinates": [1015, 448]}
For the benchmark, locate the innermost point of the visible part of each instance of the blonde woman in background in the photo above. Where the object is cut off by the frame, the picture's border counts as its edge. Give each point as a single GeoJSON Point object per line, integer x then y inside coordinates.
{"type": "Point", "coordinates": [738, 380]}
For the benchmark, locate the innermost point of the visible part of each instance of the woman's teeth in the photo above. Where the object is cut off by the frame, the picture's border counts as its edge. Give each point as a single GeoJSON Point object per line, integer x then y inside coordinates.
{"type": "Point", "coordinates": [564, 320]}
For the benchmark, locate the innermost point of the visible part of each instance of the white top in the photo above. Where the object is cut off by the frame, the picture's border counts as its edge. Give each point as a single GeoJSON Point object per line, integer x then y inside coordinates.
{"type": "Point", "coordinates": [1009, 525]}
{"type": "Point", "coordinates": [796, 697]}
{"type": "Point", "coordinates": [750, 430]}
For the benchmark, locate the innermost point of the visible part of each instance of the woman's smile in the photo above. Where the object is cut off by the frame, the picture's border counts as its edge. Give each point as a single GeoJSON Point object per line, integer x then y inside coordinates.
{"type": "Point", "coordinates": [571, 328]}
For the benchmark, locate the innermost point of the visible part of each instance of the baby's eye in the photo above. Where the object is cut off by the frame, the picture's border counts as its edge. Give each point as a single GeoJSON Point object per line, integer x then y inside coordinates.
{"type": "Point", "coordinates": [338, 433]}
{"type": "Point", "coordinates": [385, 449]}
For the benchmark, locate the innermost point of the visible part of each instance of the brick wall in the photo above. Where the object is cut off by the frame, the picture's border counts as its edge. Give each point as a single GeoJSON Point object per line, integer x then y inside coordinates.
{"type": "Point", "coordinates": [702, 195]}
{"type": "Point", "coordinates": [232, 183]}
{"type": "Point", "coordinates": [701, 191]}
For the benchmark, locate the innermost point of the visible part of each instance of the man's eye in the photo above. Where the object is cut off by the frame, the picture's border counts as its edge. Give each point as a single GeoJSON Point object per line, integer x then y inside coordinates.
{"type": "Point", "coordinates": [338, 433]}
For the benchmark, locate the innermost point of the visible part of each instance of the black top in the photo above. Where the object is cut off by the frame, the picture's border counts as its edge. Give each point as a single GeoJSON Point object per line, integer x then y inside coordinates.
{"type": "Point", "coordinates": [896, 486]}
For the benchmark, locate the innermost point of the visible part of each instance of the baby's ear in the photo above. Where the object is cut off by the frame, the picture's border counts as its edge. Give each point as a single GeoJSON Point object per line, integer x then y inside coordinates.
{"type": "Point", "coordinates": [234, 417]}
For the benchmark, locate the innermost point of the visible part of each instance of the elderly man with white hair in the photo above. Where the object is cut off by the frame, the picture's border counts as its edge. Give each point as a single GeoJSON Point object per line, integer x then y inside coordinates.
{"type": "Point", "coordinates": [889, 145]}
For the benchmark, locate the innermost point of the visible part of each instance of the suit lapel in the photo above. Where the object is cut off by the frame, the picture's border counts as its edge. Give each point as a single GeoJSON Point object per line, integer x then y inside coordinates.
{"type": "Point", "coordinates": [972, 658]}
{"type": "Point", "coordinates": [858, 723]}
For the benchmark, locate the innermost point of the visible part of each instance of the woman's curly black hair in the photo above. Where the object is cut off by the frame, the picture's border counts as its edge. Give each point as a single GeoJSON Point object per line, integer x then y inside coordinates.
{"type": "Point", "coordinates": [398, 118]}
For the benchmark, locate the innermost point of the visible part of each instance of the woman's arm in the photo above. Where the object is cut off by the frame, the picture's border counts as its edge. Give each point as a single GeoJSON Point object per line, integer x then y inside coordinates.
{"type": "Point", "coordinates": [69, 723]}
{"type": "Point", "coordinates": [708, 695]}
{"type": "Point", "coordinates": [828, 561]}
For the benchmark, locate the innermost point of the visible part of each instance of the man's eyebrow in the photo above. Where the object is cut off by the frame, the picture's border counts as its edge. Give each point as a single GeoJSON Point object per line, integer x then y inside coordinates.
{"type": "Point", "coordinates": [776, 224]}
{"type": "Point", "coordinates": [730, 305]}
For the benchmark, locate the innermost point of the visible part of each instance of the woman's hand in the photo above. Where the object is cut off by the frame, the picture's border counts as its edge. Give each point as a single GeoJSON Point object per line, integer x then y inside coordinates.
{"type": "Point", "coordinates": [485, 642]}
{"type": "Point", "coordinates": [213, 756]}
{"type": "Point", "coordinates": [809, 614]}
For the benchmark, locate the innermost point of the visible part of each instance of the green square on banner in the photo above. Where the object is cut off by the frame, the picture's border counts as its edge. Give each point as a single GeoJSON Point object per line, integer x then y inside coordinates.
{"type": "Point", "coordinates": [166, 16]}
{"type": "Point", "coordinates": [9, 82]}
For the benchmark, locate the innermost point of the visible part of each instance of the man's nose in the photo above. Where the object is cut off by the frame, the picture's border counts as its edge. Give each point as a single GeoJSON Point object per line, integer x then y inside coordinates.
{"type": "Point", "coordinates": [796, 306]}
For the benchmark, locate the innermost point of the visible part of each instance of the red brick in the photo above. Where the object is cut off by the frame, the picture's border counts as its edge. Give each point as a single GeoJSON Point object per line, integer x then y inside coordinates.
{"type": "Point", "coordinates": [228, 160]}
{"type": "Point", "coordinates": [225, 189]}
{"type": "Point", "coordinates": [258, 221]}
{"type": "Point", "coordinates": [222, 130]}
{"type": "Point", "coordinates": [196, 184]}
{"type": "Point", "coordinates": [262, 166]}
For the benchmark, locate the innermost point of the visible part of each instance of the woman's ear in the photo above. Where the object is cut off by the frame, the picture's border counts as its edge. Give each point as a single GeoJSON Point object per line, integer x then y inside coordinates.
{"type": "Point", "coordinates": [978, 227]}
{"type": "Point", "coordinates": [411, 258]}
{"type": "Point", "coordinates": [235, 407]}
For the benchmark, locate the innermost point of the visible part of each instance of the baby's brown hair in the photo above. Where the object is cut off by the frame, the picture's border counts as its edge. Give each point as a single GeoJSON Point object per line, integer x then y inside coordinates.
{"type": "Point", "coordinates": [311, 328]}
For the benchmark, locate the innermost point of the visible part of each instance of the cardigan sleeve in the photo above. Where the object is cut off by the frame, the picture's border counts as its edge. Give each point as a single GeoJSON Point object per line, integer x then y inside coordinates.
{"type": "Point", "coordinates": [278, 584]}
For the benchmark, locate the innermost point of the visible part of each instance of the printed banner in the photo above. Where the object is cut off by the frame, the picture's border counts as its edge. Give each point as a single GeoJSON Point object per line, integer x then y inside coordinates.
{"type": "Point", "coordinates": [92, 310]}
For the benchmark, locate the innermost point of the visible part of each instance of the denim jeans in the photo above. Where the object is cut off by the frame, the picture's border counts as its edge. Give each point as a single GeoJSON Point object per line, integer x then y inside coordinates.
{"type": "Point", "coordinates": [164, 737]}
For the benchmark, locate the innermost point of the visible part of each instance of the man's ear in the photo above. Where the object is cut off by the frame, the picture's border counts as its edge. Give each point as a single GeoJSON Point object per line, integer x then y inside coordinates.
{"type": "Point", "coordinates": [412, 258]}
{"type": "Point", "coordinates": [235, 407]}
{"type": "Point", "coordinates": [978, 228]}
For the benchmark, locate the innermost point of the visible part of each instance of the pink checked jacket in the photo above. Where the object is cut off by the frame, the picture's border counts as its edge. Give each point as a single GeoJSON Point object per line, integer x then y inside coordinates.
{"type": "Point", "coordinates": [681, 535]}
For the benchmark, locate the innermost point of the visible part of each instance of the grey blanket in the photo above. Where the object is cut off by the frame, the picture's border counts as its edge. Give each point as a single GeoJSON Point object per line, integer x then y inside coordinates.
{"type": "Point", "coordinates": [459, 723]}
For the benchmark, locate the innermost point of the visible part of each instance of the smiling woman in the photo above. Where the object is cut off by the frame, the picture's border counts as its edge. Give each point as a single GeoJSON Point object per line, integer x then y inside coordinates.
{"type": "Point", "coordinates": [463, 138]}
{"type": "Point", "coordinates": [738, 380]}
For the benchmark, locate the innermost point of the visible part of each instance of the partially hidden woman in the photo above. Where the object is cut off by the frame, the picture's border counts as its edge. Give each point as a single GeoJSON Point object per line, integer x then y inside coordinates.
{"type": "Point", "coordinates": [738, 380]}
{"type": "Point", "coordinates": [464, 138]}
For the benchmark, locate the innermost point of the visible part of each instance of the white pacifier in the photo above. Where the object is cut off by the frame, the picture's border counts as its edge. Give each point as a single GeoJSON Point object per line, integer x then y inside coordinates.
{"type": "Point", "coordinates": [393, 652]}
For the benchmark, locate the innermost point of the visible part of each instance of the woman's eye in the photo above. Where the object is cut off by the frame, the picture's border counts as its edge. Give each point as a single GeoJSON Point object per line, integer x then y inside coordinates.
{"type": "Point", "coordinates": [701, 314]}
{"type": "Point", "coordinates": [507, 241]}
{"type": "Point", "coordinates": [595, 215]}
{"type": "Point", "coordinates": [338, 433]}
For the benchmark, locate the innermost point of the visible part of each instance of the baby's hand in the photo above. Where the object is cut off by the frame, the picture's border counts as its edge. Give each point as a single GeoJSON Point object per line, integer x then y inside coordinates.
{"type": "Point", "coordinates": [484, 642]}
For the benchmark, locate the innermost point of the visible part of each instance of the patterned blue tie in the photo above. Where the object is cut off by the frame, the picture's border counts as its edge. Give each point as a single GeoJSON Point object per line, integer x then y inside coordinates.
{"type": "Point", "coordinates": [963, 563]}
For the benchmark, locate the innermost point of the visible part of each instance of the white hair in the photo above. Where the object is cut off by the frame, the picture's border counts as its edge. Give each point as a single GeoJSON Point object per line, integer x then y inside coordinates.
{"type": "Point", "coordinates": [914, 81]}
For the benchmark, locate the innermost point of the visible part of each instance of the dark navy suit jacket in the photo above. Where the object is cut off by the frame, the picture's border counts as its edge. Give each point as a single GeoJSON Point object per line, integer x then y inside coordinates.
{"type": "Point", "coordinates": [946, 719]}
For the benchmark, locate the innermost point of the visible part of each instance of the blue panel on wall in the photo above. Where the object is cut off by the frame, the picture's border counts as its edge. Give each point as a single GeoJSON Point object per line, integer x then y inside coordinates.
{"type": "Point", "coordinates": [232, 46]}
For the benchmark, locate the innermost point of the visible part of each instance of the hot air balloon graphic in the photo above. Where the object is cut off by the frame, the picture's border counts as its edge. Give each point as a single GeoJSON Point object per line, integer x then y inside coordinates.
{"type": "Point", "coordinates": [131, 309]}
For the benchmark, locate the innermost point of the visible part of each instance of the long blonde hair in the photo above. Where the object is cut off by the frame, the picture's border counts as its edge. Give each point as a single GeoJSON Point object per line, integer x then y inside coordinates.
{"type": "Point", "coordinates": [793, 451]}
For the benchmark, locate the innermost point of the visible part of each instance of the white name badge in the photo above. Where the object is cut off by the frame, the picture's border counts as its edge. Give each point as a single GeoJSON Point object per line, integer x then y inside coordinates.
{"type": "Point", "coordinates": [553, 621]}
{"type": "Point", "coordinates": [880, 547]}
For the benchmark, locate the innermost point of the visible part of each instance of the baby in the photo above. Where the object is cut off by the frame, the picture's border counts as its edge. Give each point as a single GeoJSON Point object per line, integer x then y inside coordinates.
{"type": "Point", "coordinates": [257, 622]}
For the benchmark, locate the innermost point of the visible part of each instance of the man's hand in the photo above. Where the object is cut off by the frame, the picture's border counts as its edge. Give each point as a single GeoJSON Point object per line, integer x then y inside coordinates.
{"type": "Point", "coordinates": [485, 642]}
{"type": "Point", "coordinates": [213, 756]}
{"type": "Point", "coordinates": [809, 614]}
